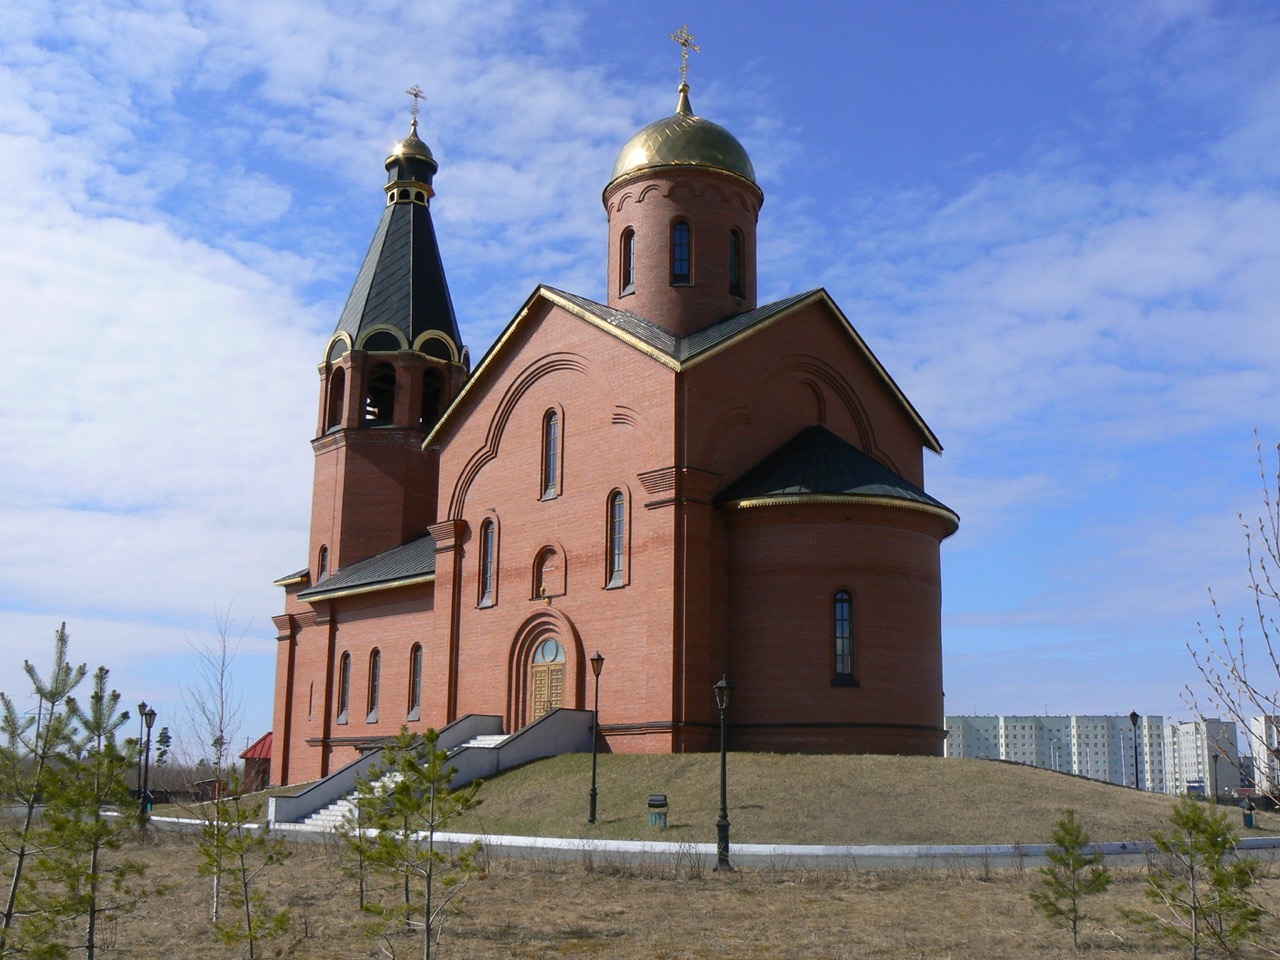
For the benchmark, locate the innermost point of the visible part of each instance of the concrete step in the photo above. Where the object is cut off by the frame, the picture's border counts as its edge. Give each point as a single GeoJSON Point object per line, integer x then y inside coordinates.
{"type": "Point", "coordinates": [337, 815]}
{"type": "Point", "coordinates": [487, 741]}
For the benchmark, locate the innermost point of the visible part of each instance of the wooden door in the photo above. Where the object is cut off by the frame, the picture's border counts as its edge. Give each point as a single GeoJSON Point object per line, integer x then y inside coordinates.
{"type": "Point", "coordinates": [546, 679]}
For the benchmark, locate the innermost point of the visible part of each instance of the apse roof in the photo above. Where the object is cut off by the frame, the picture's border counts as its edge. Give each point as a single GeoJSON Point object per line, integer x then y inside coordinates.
{"type": "Point", "coordinates": [411, 563]}
{"type": "Point", "coordinates": [816, 462]}
{"type": "Point", "coordinates": [402, 282]}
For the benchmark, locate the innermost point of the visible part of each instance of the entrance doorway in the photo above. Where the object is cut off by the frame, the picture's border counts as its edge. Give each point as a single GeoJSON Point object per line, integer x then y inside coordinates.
{"type": "Point", "coordinates": [546, 679]}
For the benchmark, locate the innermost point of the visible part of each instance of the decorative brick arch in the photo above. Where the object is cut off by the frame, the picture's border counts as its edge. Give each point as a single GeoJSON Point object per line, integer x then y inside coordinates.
{"type": "Point", "coordinates": [505, 409]}
{"type": "Point", "coordinates": [546, 623]}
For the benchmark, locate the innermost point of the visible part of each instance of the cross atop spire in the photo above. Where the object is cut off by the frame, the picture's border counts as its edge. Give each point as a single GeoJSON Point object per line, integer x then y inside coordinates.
{"type": "Point", "coordinates": [685, 39]}
{"type": "Point", "coordinates": [416, 92]}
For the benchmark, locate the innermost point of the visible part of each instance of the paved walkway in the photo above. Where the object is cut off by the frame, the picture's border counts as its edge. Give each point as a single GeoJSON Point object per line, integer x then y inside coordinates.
{"type": "Point", "coordinates": [957, 857]}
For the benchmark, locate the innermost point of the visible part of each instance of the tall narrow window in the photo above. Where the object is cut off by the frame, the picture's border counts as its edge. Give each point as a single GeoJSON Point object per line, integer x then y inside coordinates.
{"type": "Point", "coordinates": [842, 620]}
{"type": "Point", "coordinates": [344, 687]}
{"type": "Point", "coordinates": [488, 562]}
{"type": "Point", "coordinates": [375, 681]}
{"type": "Point", "coordinates": [628, 272]}
{"type": "Point", "coordinates": [681, 253]}
{"type": "Point", "coordinates": [617, 537]}
{"type": "Point", "coordinates": [415, 682]}
{"type": "Point", "coordinates": [550, 454]}
{"type": "Point", "coordinates": [322, 564]}
{"type": "Point", "coordinates": [735, 263]}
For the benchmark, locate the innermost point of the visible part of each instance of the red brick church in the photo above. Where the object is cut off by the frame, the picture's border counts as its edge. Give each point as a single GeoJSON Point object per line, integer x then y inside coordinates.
{"type": "Point", "coordinates": [685, 480]}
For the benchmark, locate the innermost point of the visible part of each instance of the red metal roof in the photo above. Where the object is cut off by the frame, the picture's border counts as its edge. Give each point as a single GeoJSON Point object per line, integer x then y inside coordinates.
{"type": "Point", "coordinates": [260, 750]}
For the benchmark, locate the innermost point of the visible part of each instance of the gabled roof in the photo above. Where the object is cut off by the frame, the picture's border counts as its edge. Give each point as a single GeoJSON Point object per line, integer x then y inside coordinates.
{"type": "Point", "coordinates": [681, 353]}
{"type": "Point", "coordinates": [817, 463]}
{"type": "Point", "coordinates": [401, 283]}
{"type": "Point", "coordinates": [261, 749]}
{"type": "Point", "coordinates": [414, 562]}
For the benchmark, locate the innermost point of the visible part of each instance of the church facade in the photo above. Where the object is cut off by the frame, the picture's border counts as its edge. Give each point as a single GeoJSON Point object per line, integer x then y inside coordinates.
{"type": "Point", "coordinates": [687, 482]}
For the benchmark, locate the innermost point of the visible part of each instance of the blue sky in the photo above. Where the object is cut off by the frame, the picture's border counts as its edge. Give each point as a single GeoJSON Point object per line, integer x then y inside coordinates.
{"type": "Point", "coordinates": [1057, 224]}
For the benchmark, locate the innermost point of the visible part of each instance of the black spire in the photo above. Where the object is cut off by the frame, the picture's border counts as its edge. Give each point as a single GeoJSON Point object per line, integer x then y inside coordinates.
{"type": "Point", "coordinates": [402, 283]}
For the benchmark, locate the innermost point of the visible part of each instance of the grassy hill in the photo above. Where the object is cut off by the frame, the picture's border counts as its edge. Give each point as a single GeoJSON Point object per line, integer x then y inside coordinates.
{"type": "Point", "coordinates": [777, 798]}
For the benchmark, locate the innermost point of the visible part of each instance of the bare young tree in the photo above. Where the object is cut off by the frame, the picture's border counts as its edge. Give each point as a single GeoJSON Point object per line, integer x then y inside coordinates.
{"type": "Point", "coordinates": [214, 714]}
{"type": "Point", "coordinates": [1238, 658]}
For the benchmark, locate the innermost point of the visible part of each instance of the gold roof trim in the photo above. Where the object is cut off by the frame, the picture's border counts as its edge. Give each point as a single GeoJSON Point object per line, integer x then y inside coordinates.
{"type": "Point", "coordinates": [370, 588]}
{"type": "Point", "coordinates": [543, 293]}
{"type": "Point", "coordinates": [812, 499]}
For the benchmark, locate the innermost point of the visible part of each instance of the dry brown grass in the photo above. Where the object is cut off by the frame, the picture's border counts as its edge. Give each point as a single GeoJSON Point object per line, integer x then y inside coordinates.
{"type": "Point", "coordinates": [524, 909]}
{"type": "Point", "coordinates": [601, 907]}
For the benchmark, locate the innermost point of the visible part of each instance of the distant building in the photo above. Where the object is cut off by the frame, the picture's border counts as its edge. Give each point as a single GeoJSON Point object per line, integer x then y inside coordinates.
{"type": "Point", "coordinates": [1097, 747]}
{"type": "Point", "coordinates": [1202, 757]}
{"type": "Point", "coordinates": [1264, 741]}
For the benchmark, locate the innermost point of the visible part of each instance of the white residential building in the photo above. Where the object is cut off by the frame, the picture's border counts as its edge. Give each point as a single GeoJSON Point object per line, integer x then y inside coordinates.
{"type": "Point", "coordinates": [1201, 757]}
{"type": "Point", "coordinates": [1264, 744]}
{"type": "Point", "coordinates": [1100, 748]}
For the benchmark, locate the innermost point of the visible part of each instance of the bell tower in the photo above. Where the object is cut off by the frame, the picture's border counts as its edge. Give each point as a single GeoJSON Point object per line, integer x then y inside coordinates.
{"type": "Point", "coordinates": [394, 363]}
{"type": "Point", "coordinates": [683, 204]}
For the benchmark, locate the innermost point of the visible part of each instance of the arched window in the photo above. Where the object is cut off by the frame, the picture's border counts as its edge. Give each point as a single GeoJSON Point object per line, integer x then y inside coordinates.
{"type": "Point", "coordinates": [842, 625]}
{"type": "Point", "coordinates": [380, 396]}
{"type": "Point", "coordinates": [488, 563]}
{"type": "Point", "coordinates": [337, 394]}
{"type": "Point", "coordinates": [735, 263]}
{"type": "Point", "coordinates": [415, 682]}
{"type": "Point", "coordinates": [628, 272]}
{"type": "Point", "coordinates": [550, 454]}
{"type": "Point", "coordinates": [616, 551]}
{"type": "Point", "coordinates": [681, 254]}
{"type": "Point", "coordinates": [375, 681]}
{"type": "Point", "coordinates": [344, 687]}
{"type": "Point", "coordinates": [322, 564]}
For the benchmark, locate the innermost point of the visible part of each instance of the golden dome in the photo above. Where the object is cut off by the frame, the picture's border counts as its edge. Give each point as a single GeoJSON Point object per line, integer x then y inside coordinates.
{"type": "Point", "coordinates": [683, 140]}
{"type": "Point", "coordinates": [412, 146]}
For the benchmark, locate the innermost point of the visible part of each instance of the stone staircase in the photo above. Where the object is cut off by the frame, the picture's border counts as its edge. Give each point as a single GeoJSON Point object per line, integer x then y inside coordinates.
{"type": "Point", "coordinates": [341, 812]}
{"type": "Point", "coordinates": [476, 748]}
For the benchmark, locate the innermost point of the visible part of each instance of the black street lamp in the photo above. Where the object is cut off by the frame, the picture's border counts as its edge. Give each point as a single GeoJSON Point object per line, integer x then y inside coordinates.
{"type": "Point", "coordinates": [597, 664]}
{"type": "Point", "coordinates": [149, 719]}
{"type": "Point", "coordinates": [1216, 757]}
{"type": "Point", "coordinates": [1133, 718]}
{"type": "Point", "coordinates": [142, 719]}
{"type": "Point", "coordinates": [723, 689]}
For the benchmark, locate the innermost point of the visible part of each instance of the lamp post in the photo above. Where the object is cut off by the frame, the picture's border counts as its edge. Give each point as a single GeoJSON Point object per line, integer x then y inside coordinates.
{"type": "Point", "coordinates": [723, 690]}
{"type": "Point", "coordinates": [1216, 757]}
{"type": "Point", "coordinates": [149, 719]}
{"type": "Point", "coordinates": [597, 664]}
{"type": "Point", "coordinates": [1133, 718]}
{"type": "Point", "coordinates": [142, 720]}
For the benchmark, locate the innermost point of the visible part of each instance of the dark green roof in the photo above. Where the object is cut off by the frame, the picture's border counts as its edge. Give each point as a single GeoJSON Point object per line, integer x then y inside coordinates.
{"type": "Point", "coordinates": [817, 462]}
{"type": "Point", "coordinates": [412, 561]}
{"type": "Point", "coordinates": [680, 348]}
{"type": "Point", "coordinates": [402, 282]}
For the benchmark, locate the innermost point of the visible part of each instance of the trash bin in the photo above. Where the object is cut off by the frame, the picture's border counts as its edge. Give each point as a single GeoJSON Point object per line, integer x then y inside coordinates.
{"type": "Point", "coordinates": [1246, 810]}
{"type": "Point", "coordinates": [658, 810]}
